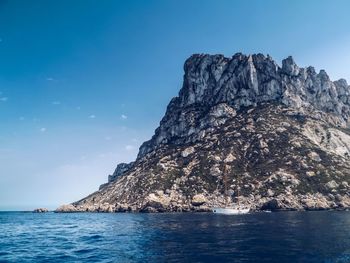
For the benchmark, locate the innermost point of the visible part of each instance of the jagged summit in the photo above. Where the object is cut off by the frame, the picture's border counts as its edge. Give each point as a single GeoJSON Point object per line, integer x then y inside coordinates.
{"type": "Point", "coordinates": [283, 130]}
{"type": "Point", "coordinates": [243, 81]}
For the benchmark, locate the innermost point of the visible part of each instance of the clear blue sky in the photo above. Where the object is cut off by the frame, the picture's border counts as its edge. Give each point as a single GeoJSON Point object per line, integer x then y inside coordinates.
{"type": "Point", "coordinates": [84, 83]}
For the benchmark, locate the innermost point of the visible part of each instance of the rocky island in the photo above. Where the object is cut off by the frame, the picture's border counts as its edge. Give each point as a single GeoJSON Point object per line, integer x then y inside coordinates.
{"type": "Point", "coordinates": [282, 130]}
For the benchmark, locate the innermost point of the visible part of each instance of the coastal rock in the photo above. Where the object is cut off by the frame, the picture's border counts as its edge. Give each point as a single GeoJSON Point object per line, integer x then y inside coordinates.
{"type": "Point", "coordinates": [66, 209]}
{"type": "Point", "coordinates": [156, 203]}
{"type": "Point", "coordinates": [122, 208]}
{"type": "Point", "coordinates": [241, 128]}
{"type": "Point", "coordinates": [40, 210]}
{"type": "Point", "coordinates": [271, 205]}
{"type": "Point", "coordinates": [198, 199]}
{"type": "Point", "coordinates": [316, 202]}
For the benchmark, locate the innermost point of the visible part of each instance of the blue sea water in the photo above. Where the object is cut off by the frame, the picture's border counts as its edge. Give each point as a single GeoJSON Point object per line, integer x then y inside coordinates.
{"type": "Point", "coordinates": [188, 237]}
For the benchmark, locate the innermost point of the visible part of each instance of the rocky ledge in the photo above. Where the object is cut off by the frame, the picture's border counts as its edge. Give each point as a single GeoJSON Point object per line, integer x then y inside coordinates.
{"type": "Point", "coordinates": [280, 134]}
{"type": "Point", "coordinates": [40, 210]}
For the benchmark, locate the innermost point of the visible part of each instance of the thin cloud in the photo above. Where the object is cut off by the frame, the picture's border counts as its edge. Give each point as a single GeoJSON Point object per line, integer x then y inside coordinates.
{"type": "Point", "coordinates": [21, 118]}
{"type": "Point", "coordinates": [56, 103]}
{"type": "Point", "coordinates": [129, 147]}
{"type": "Point", "coordinates": [92, 116]}
{"type": "Point", "coordinates": [43, 129]}
{"type": "Point", "coordinates": [4, 99]}
{"type": "Point", "coordinates": [50, 79]}
{"type": "Point", "coordinates": [102, 155]}
{"type": "Point", "coordinates": [123, 117]}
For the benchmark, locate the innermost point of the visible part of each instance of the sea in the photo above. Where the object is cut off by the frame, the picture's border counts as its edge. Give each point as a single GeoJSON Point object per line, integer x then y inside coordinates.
{"type": "Point", "coordinates": [322, 236]}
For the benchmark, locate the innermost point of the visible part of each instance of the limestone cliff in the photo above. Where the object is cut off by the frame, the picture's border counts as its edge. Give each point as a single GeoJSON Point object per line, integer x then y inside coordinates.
{"type": "Point", "coordinates": [281, 133]}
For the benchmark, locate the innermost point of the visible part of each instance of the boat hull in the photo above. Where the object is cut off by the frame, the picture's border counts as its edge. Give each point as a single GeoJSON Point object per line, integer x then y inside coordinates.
{"type": "Point", "coordinates": [230, 211]}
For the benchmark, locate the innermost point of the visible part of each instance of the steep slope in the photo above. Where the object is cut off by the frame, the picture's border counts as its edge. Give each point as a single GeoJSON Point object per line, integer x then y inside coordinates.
{"type": "Point", "coordinates": [280, 133]}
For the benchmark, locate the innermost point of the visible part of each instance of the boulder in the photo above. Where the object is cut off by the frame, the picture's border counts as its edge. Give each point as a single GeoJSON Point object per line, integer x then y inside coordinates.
{"type": "Point", "coordinates": [66, 209]}
{"type": "Point", "coordinates": [106, 208]}
{"type": "Point", "coordinates": [331, 184]}
{"type": "Point", "coordinates": [187, 152]}
{"type": "Point", "coordinates": [314, 156]}
{"type": "Point", "coordinates": [41, 210]}
{"type": "Point", "coordinates": [270, 192]}
{"type": "Point", "coordinates": [198, 199]}
{"type": "Point", "coordinates": [156, 203]}
{"type": "Point", "coordinates": [122, 208]}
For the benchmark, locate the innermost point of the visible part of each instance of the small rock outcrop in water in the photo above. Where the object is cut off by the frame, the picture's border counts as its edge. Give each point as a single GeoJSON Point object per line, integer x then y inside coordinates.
{"type": "Point", "coordinates": [66, 209]}
{"type": "Point", "coordinates": [281, 134]}
{"type": "Point", "coordinates": [40, 210]}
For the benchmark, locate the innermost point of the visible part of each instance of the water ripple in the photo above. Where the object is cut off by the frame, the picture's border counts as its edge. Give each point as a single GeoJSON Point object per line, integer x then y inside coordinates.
{"type": "Point", "coordinates": [260, 237]}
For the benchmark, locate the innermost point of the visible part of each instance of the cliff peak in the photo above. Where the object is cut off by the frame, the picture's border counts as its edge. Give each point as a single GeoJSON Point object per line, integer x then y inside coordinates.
{"type": "Point", "coordinates": [290, 67]}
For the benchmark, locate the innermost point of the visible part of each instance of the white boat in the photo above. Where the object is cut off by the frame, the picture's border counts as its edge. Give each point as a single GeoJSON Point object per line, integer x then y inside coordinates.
{"type": "Point", "coordinates": [230, 211]}
{"type": "Point", "coordinates": [237, 210]}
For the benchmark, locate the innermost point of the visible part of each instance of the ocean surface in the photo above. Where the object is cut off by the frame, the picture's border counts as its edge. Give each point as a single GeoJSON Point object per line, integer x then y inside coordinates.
{"type": "Point", "coordinates": [189, 237]}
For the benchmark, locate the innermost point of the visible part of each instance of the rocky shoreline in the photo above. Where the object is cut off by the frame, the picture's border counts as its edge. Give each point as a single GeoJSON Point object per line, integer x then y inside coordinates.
{"type": "Point", "coordinates": [159, 204]}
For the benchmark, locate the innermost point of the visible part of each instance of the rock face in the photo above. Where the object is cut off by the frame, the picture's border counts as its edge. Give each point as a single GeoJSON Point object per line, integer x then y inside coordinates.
{"type": "Point", "coordinates": [66, 209]}
{"type": "Point", "coordinates": [40, 210]}
{"type": "Point", "coordinates": [120, 170]}
{"type": "Point", "coordinates": [281, 132]}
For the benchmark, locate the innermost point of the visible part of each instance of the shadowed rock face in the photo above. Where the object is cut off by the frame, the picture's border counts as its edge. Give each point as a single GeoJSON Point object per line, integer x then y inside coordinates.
{"type": "Point", "coordinates": [281, 132]}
